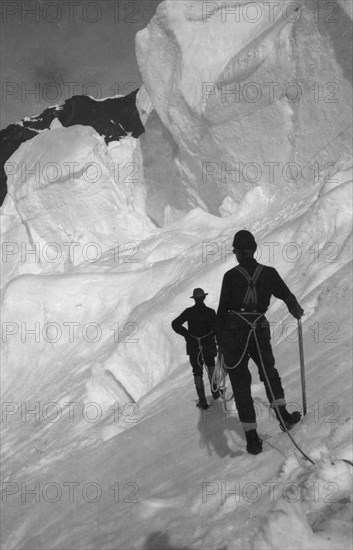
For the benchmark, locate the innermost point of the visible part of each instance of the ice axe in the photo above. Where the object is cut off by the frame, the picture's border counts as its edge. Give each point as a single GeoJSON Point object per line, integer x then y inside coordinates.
{"type": "Point", "coordinates": [302, 367]}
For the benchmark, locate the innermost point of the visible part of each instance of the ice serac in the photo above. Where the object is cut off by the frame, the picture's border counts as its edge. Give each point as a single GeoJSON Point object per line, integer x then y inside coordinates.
{"type": "Point", "coordinates": [68, 186]}
{"type": "Point", "coordinates": [250, 95]}
{"type": "Point", "coordinates": [113, 118]}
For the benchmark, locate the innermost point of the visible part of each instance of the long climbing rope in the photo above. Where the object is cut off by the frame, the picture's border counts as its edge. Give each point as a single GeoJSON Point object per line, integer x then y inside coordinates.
{"type": "Point", "coordinates": [200, 348]}
{"type": "Point", "coordinates": [217, 377]}
{"type": "Point", "coordinates": [220, 372]}
{"type": "Point", "coordinates": [249, 300]}
{"type": "Point", "coordinates": [200, 355]}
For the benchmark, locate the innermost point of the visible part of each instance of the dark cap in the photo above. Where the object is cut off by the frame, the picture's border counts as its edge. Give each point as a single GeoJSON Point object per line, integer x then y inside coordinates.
{"type": "Point", "coordinates": [244, 240]}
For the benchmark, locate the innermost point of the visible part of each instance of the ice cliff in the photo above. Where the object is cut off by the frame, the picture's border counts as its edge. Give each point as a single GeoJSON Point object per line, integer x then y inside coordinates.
{"type": "Point", "coordinates": [243, 97]}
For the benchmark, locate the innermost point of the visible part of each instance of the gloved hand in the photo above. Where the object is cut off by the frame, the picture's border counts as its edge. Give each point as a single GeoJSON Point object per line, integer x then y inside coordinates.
{"type": "Point", "coordinates": [296, 310]}
{"type": "Point", "coordinates": [293, 307]}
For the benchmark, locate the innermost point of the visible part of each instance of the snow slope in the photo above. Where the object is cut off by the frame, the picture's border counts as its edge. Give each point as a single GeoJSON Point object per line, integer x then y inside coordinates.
{"type": "Point", "coordinates": [172, 458]}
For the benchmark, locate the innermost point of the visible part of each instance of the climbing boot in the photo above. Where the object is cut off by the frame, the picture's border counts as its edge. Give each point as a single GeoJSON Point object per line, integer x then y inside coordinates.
{"type": "Point", "coordinates": [253, 442]}
{"type": "Point", "coordinates": [289, 419]}
{"type": "Point", "coordinates": [200, 389]}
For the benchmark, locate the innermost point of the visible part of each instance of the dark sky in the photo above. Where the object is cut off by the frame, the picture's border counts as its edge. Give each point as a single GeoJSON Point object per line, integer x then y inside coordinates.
{"type": "Point", "coordinates": [51, 50]}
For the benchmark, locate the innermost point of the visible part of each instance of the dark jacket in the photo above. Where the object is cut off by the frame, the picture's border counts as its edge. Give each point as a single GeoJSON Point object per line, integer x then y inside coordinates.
{"type": "Point", "coordinates": [201, 320]}
{"type": "Point", "coordinates": [235, 286]}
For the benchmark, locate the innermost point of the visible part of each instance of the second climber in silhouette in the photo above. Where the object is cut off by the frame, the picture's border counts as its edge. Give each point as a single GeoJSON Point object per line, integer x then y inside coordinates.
{"type": "Point", "coordinates": [200, 342]}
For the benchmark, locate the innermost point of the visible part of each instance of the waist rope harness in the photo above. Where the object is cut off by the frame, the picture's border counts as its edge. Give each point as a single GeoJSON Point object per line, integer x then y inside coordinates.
{"type": "Point", "coordinates": [200, 353]}
{"type": "Point", "coordinates": [251, 296]}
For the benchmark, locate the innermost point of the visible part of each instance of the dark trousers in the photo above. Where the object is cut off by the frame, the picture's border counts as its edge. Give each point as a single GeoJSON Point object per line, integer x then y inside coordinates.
{"type": "Point", "coordinates": [234, 342]}
{"type": "Point", "coordinates": [197, 363]}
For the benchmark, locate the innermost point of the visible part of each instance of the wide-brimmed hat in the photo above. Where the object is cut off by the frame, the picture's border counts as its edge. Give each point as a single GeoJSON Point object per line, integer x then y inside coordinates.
{"type": "Point", "coordinates": [244, 239]}
{"type": "Point", "coordinates": [198, 293]}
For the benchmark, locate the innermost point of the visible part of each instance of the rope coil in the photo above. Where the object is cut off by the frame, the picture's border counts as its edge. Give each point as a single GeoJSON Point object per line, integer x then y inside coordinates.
{"type": "Point", "coordinates": [220, 374]}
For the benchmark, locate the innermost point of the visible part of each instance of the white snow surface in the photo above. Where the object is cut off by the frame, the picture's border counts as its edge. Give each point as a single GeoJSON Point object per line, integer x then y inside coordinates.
{"type": "Point", "coordinates": [116, 454]}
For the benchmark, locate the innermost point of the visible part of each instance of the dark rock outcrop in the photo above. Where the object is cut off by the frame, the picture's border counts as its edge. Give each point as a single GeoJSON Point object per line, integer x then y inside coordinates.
{"type": "Point", "coordinates": [10, 140]}
{"type": "Point", "coordinates": [112, 118]}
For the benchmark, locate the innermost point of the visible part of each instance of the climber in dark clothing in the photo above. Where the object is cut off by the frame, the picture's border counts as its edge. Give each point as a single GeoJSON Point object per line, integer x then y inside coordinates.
{"type": "Point", "coordinates": [245, 297]}
{"type": "Point", "coordinates": [200, 341]}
